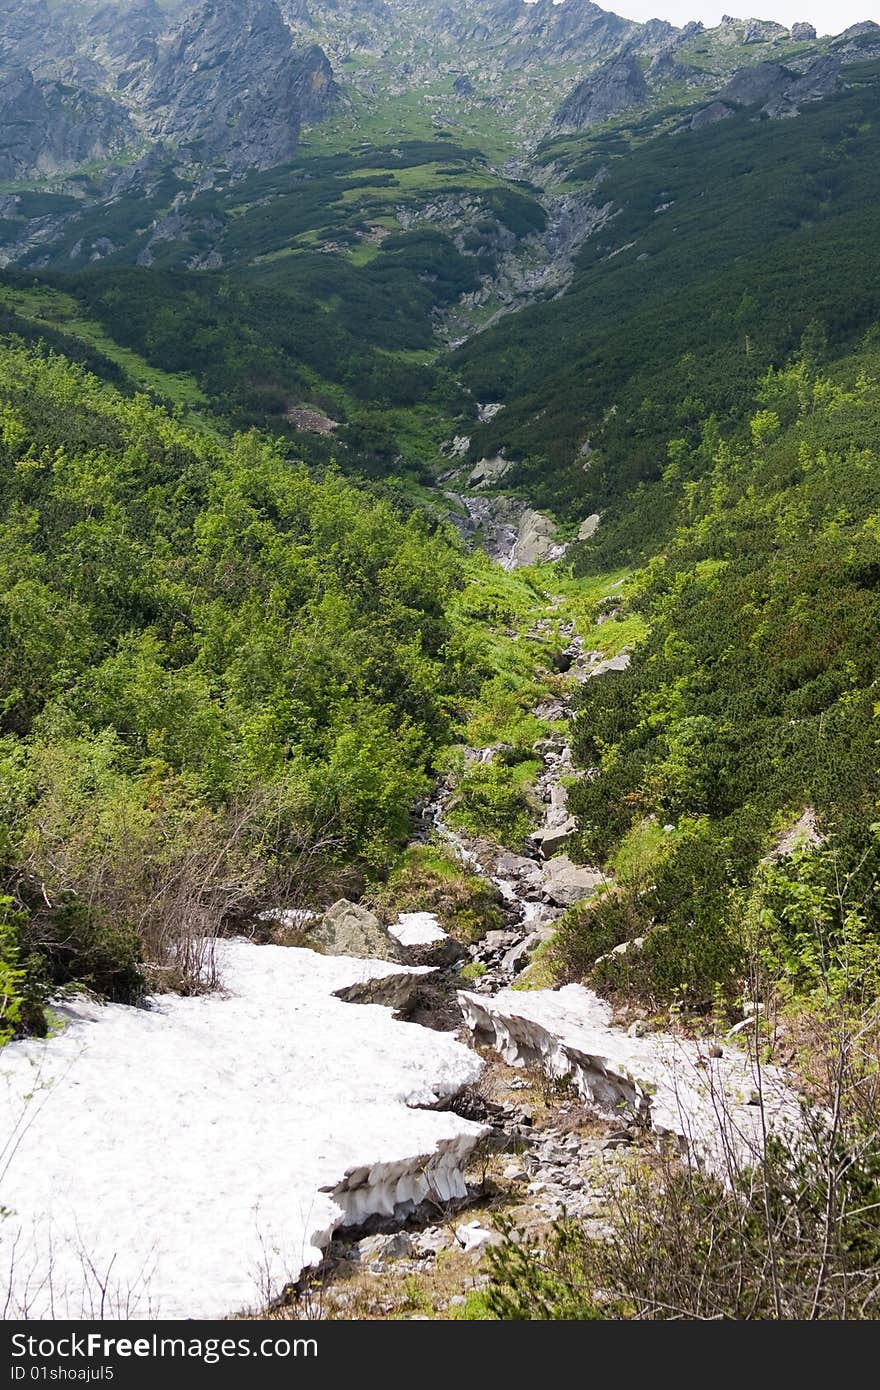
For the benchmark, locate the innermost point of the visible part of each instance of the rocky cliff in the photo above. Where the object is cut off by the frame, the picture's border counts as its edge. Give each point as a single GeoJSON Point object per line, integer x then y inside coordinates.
{"type": "Point", "coordinates": [229, 85]}
{"type": "Point", "coordinates": [48, 127]}
{"type": "Point", "coordinates": [223, 80]}
{"type": "Point", "coordinates": [618, 86]}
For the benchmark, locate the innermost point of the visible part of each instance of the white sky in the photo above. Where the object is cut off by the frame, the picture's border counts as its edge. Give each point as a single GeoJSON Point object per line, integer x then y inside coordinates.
{"type": "Point", "coordinates": [829, 16]}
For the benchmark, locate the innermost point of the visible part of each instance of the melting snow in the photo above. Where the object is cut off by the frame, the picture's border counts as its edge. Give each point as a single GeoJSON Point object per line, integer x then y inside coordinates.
{"type": "Point", "coordinates": [417, 929]}
{"type": "Point", "coordinates": [189, 1159]}
{"type": "Point", "coordinates": [671, 1084]}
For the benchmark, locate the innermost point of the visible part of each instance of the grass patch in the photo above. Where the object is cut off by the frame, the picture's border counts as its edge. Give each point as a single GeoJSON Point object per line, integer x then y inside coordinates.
{"type": "Point", "coordinates": [429, 879]}
{"type": "Point", "coordinates": [542, 970]}
{"type": "Point", "coordinates": [475, 971]}
{"type": "Point", "coordinates": [56, 310]}
{"type": "Point", "coordinates": [642, 847]}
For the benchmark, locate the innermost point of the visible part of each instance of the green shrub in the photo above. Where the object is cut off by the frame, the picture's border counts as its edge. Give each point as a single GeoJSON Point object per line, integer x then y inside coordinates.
{"type": "Point", "coordinates": [222, 680]}
{"type": "Point", "coordinates": [22, 983]}
{"type": "Point", "coordinates": [492, 800]}
{"type": "Point", "coordinates": [428, 879]}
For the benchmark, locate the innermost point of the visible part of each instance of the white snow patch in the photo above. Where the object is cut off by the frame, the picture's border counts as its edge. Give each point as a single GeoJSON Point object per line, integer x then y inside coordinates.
{"type": "Point", "coordinates": [192, 1158]}
{"type": "Point", "coordinates": [667, 1083]}
{"type": "Point", "coordinates": [417, 929]}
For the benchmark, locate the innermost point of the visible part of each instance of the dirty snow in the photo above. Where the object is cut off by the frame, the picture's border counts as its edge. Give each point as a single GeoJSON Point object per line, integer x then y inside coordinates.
{"type": "Point", "coordinates": [189, 1159]}
{"type": "Point", "coordinates": [670, 1084]}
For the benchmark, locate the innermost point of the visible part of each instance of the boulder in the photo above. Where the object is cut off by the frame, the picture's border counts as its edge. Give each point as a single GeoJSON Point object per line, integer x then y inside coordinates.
{"type": "Point", "coordinates": [473, 1237]}
{"type": "Point", "coordinates": [611, 663]}
{"type": "Point", "coordinates": [489, 471]}
{"type": "Point", "coordinates": [566, 883]}
{"type": "Point", "coordinates": [536, 541]}
{"type": "Point", "coordinates": [589, 526]}
{"type": "Point", "coordinates": [382, 1249]}
{"type": "Point", "coordinates": [517, 868]}
{"type": "Point", "coordinates": [551, 709]}
{"type": "Point", "coordinates": [517, 958]}
{"type": "Point", "coordinates": [552, 838]}
{"type": "Point", "coordinates": [803, 32]}
{"type": "Point", "coordinates": [346, 929]}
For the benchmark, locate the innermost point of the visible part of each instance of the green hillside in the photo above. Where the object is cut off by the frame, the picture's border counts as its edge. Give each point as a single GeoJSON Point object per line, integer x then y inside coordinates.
{"type": "Point", "coordinates": [725, 245]}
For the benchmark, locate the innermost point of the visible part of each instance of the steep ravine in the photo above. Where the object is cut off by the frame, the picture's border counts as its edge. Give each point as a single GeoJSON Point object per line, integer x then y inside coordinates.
{"type": "Point", "coordinates": [248, 1129]}
{"type": "Point", "coordinates": [665, 1083]}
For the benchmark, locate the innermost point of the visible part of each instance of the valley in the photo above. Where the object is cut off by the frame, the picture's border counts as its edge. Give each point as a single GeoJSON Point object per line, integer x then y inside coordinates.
{"type": "Point", "coordinates": [439, 642]}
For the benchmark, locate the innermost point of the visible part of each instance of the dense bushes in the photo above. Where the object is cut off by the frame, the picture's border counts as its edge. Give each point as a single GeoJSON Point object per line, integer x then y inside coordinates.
{"type": "Point", "coordinates": [220, 679]}
{"type": "Point", "coordinates": [683, 1244]}
{"type": "Point", "coordinates": [753, 695]}
{"type": "Point", "coordinates": [493, 799]}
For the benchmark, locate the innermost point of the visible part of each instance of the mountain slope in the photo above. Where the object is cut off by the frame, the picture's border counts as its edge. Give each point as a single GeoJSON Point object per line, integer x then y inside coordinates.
{"type": "Point", "coordinates": [719, 247]}
{"type": "Point", "coordinates": [747, 720]}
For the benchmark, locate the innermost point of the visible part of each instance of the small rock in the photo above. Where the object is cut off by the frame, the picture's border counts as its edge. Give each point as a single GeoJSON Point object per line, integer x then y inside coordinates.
{"type": "Point", "coordinates": [474, 1237]}
{"type": "Point", "coordinates": [433, 1240]}
{"type": "Point", "coordinates": [382, 1249]}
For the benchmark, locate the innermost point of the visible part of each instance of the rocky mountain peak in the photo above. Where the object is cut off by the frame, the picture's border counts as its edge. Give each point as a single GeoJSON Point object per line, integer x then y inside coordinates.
{"type": "Point", "coordinates": [229, 85]}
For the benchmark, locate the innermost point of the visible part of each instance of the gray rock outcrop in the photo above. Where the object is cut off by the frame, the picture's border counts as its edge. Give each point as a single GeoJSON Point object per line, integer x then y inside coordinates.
{"type": "Point", "coordinates": [710, 115]}
{"type": "Point", "coordinates": [566, 883]}
{"type": "Point", "coordinates": [536, 541]}
{"type": "Point", "coordinates": [779, 91]}
{"type": "Point", "coordinates": [858, 43]}
{"type": "Point", "coordinates": [665, 67]}
{"type": "Point", "coordinates": [820, 79]}
{"type": "Point", "coordinates": [48, 128]}
{"type": "Point", "coordinates": [764, 31]}
{"type": "Point", "coordinates": [618, 86]}
{"type": "Point", "coordinates": [754, 86]}
{"type": "Point", "coordinates": [231, 86]}
{"type": "Point", "coordinates": [489, 471]}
